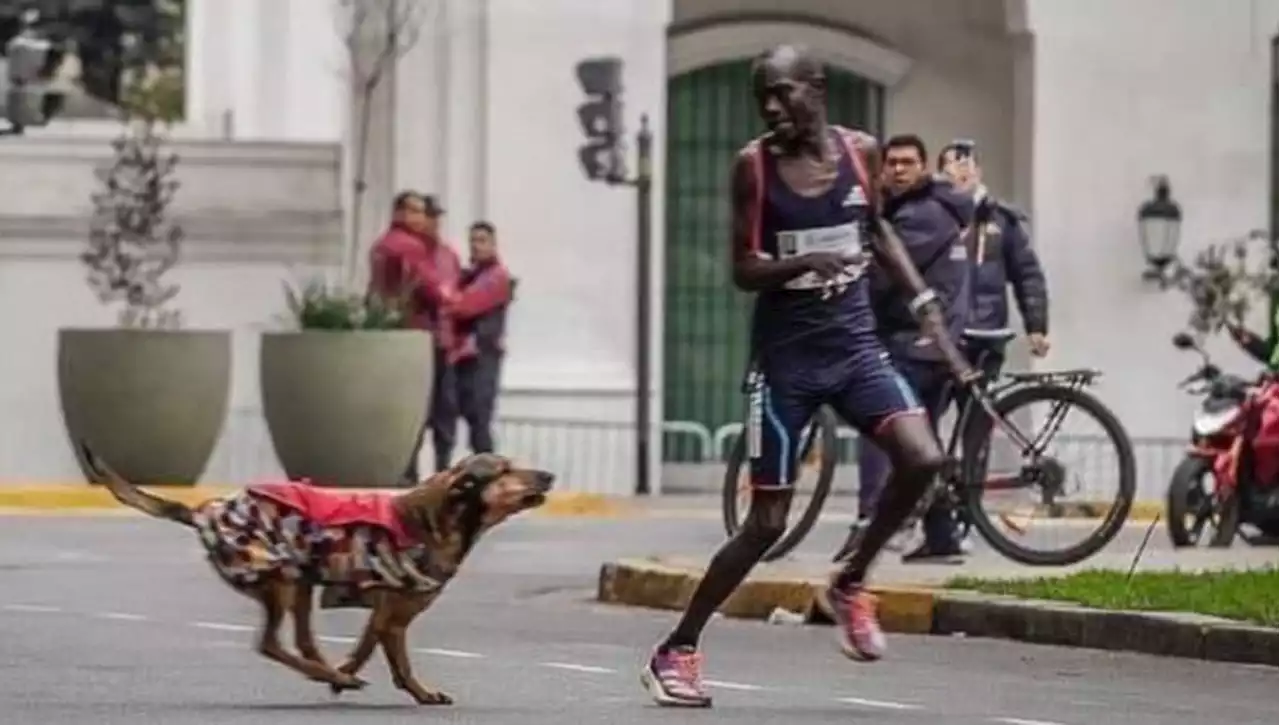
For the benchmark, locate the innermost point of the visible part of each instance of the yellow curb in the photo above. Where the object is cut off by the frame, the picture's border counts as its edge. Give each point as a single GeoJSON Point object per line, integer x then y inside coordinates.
{"type": "Point", "coordinates": [84, 497]}
{"type": "Point", "coordinates": [649, 583]}
{"type": "Point", "coordinates": [569, 504]}
{"type": "Point", "coordinates": [1143, 511]}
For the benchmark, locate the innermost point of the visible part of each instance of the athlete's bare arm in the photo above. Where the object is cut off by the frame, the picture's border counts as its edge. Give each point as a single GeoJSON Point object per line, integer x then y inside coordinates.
{"type": "Point", "coordinates": [751, 271]}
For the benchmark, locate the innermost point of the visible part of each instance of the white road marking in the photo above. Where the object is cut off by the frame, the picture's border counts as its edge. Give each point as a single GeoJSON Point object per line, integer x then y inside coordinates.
{"type": "Point", "coordinates": [882, 704]}
{"type": "Point", "coordinates": [222, 627]}
{"type": "Point", "coordinates": [31, 608]}
{"type": "Point", "coordinates": [120, 616]}
{"type": "Point", "coordinates": [579, 668]}
{"type": "Point", "coordinates": [449, 653]}
{"type": "Point", "coordinates": [339, 639]}
{"type": "Point", "coordinates": [1021, 721]}
{"type": "Point", "coordinates": [732, 685]}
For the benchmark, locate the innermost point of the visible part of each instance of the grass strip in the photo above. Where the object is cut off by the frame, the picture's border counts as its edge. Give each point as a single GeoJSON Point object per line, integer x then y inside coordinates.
{"type": "Point", "coordinates": [1249, 595]}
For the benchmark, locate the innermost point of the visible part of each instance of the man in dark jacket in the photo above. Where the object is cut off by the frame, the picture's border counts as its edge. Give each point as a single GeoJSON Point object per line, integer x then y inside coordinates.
{"type": "Point", "coordinates": [479, 317]}
{"type": "Point", "coordinates": [1003, 258]}
{"type": "Point", "coordinates": [931, 216]}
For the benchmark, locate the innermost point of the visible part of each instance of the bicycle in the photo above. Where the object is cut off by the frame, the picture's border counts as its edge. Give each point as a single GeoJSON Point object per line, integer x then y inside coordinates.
{"type": "Point", "coordinates": [989, 407]}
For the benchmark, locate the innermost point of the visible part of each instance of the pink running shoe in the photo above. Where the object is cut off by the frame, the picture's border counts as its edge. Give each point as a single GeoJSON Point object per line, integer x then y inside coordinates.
{"type": "Point", "coordinates": [674, 678]}
{"type": "Point", "coordinates": [860, 635]}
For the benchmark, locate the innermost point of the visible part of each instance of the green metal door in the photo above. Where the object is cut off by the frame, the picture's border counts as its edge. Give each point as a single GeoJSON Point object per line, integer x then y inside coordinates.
{"type": "Point", "coordinates": [710, 116]}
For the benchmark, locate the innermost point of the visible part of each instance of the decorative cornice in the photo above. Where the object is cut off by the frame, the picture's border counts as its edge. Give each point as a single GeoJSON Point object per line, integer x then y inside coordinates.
{"type": "Point", "coordinates": [719, 39]}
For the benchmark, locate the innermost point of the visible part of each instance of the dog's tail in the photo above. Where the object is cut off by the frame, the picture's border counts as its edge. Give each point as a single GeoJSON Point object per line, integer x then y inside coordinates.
{"type": "Point", "coordinates": [134, 497]}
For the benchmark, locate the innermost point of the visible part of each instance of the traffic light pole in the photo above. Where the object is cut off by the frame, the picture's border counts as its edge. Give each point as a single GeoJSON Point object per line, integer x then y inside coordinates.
{"type": "Point", "coordinates": [1273, 222]}
{"type": "Point", "coordinates": [644, 299]}
{"type": "Point", "coordinates": [601, 157]}
{"type": "Point", "coordinates": [643, 184]}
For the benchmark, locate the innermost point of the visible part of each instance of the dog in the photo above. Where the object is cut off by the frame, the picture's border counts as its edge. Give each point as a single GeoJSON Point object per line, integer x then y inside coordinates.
{"type": "Point", "coordinates": [392, 553]}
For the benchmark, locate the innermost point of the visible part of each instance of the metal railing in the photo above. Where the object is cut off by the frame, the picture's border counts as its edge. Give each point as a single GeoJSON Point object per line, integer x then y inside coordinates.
{"type": "Point", "coordinates": [598, 456]}
{"type": "Point", "coordinates": [587, 455]}
{"type": "Point", "coordinates": [1091, 462]}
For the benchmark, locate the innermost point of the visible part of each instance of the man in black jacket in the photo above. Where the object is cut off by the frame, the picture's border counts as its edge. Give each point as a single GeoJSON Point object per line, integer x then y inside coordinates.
{"type": "Point", "coordinates": [1004, 258]}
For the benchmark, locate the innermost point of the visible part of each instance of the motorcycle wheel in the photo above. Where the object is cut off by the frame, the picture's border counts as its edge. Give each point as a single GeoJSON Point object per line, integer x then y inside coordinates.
{"type": "Point", "coordinates": [1188, 507]}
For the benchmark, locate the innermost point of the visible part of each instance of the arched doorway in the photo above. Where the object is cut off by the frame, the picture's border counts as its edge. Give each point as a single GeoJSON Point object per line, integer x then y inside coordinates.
{"type": "Point", "coordinates": [710, 115]}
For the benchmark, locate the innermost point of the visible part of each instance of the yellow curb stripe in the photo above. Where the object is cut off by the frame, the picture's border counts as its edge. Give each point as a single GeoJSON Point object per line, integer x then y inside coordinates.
{"type": "Point", "coordinates": [646, 583]}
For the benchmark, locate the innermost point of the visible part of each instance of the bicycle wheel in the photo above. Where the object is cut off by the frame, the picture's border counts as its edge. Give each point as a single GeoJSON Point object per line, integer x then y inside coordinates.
{"type": "Point", "coordinates": [976, 480]}
{"type": "Point", "coordinates": [818, 452]}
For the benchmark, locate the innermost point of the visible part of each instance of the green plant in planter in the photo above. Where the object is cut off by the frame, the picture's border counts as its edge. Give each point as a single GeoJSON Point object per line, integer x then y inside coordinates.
{"type": "Point", "coordinates": [320, 306]}
{"type": "Point", "coordinates": [1224, 282]}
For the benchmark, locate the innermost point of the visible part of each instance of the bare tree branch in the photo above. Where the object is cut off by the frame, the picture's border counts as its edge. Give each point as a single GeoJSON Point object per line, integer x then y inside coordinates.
{"type": "Point", "coordinates": [380, 32]}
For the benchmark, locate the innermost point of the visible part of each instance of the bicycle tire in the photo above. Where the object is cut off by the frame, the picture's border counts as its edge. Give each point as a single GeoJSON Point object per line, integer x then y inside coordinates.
{"type": "Point", "coordinates": [826, 422]}
{"type": "Point", "coordinates": [972, 466]}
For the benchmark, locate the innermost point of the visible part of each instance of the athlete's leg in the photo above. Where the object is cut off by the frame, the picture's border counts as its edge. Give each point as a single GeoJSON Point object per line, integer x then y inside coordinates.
{"type": "Point", "coordinates": [873, 471]}
{"type": "Point", "coordinates": [880, 403]}
{"type": "Point", "coordinates": [913, 385]}
{"type": "Point", "coordinates": [672, 675]}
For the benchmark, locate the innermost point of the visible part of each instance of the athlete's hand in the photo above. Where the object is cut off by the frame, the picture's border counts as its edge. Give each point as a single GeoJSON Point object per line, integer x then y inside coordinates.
{"type": "Point", "coordinates": [828, 265]}
{"type": "Point", "coordinates": [934, 326]}
{"type": "Point", "coordinates": [1039, 343]}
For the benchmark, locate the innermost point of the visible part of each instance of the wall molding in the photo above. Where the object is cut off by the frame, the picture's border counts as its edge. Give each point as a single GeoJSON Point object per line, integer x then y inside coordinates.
{"type": "Point", "coordinates": [711, 41]}
{"type": "Point", "coordinates": [311, 238]}
{"type": "Point", "coordinates": [251, 154]}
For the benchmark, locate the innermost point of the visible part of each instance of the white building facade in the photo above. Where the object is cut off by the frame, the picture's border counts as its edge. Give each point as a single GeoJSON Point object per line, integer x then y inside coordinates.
{"type": "Point", "coordinates": [1074, 105]}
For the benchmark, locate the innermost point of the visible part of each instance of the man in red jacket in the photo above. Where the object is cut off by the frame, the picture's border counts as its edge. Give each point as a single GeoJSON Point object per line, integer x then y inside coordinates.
{"type": "Point", "coordinates": [411, 262]}
{"type": "Point", "coordinates": [479, 318]}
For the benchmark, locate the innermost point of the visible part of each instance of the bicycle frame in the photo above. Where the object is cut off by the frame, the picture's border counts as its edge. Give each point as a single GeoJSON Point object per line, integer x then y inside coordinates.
{"type": "Point", "coordinates": [982, 396]}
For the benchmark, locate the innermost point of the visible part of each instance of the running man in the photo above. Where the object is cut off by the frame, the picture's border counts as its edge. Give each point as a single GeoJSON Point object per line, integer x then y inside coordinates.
{"type": "Point", "coordinates": [803, 204]}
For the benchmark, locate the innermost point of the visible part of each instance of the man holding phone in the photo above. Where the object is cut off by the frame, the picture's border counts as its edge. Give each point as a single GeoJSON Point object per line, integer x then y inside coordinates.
{"type": "Point", "coordinates": [1004, 258]}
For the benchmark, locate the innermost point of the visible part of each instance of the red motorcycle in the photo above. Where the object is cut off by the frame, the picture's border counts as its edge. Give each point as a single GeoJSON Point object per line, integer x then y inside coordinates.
{"type": "Point", "coordinates": [1228, 478]}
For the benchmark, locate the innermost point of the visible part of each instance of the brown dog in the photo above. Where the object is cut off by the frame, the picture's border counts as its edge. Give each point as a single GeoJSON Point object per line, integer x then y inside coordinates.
{"type": "Point", "coordinates": [392, 553]}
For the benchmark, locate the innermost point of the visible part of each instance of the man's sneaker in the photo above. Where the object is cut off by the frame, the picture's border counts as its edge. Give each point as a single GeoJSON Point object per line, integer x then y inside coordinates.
{"type": "Point", "coordinates": [860, 635]}
{"type": "Point", "coordinates": [926, 555]}
{"type": "Point", "coordinates": [674, 678]}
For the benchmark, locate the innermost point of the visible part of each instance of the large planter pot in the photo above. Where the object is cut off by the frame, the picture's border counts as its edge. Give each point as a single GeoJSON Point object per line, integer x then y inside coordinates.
{"type": "Point", "coordinates": [150, 403]}
{"type": "Point", "coordinates": [345, 408]}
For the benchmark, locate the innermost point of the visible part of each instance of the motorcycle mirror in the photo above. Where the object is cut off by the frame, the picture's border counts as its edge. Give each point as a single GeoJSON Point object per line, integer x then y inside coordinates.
{"type": "Point", "coordinates": [1184, 341]}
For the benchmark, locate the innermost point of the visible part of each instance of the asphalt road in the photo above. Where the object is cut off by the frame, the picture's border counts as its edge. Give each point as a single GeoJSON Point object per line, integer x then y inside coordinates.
{"type": "Point", "coordinates": [109, 621]}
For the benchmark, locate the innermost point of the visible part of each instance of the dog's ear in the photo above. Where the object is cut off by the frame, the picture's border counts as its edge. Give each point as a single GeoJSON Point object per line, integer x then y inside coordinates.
{"type": "Point", "coordinates": [485, 467]}
{"type": "Point", "coordinates": [477, 471]}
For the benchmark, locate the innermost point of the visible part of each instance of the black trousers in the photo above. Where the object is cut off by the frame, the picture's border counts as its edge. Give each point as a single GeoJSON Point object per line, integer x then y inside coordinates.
{"type": "Point", "coordinates": [469, 390]}
{"type": "Point", "coordinates": [989, 359]}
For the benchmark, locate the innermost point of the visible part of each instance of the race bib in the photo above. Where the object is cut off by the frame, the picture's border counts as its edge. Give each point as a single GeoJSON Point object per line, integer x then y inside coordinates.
{"type": "Point", "coordinates": [845, 239]}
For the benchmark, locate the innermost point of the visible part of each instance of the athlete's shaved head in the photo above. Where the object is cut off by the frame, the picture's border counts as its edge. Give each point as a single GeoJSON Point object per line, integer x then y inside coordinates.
{"type": "Point", "coordinates": [789, 84]}
{"type": "Point", "coordinates": [792, 61]}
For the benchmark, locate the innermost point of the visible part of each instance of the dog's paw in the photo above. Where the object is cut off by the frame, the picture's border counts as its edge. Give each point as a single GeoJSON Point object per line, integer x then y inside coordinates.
{"type": "Point", "coordinates": [428, 697]}
{"type": "Point", "coordinates": [346, 682]}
